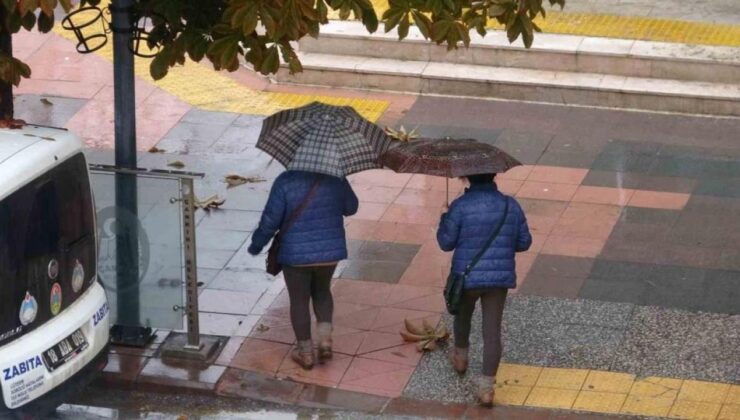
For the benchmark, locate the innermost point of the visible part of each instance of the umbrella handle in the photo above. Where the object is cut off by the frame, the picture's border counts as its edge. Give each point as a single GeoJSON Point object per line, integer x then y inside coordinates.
{"type": "Point", "coordinates": [447, 192]}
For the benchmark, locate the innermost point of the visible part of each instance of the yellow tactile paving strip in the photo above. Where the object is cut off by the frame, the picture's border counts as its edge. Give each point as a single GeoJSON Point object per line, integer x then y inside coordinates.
{"type": "Point", "coordinates": [207, 89]}
{"type": "Point", "coordinates": [615, 393]}
{"type": "Point", "coordinates": [629, 27]}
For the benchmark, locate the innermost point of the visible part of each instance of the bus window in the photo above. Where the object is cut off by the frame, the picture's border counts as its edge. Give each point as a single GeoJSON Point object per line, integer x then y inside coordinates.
{"type": "Point", "coordinates": [47, 223]}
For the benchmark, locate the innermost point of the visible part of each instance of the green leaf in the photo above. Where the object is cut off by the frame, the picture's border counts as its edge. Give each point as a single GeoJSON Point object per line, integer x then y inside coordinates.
{"type": "Point", "coordinates": [423, 23]}
{"type": "Point", "coordinates": [66, 5]}
{"type": "Point", "coordinates": [497, 9]}
{"type": "Point", "coordinates": [463, 33]}
{"type": "Point", "coordinates": [403, 27]}
{"type": "Point", "coordinates": [561, 3]}
{"type": "Point", "coordinates": [14, 22]}
{"type": "Point", "coordinates": [392, 19]}
{"type": "Point", "coordinates": [323, 11]}
{"type": "Point", "coordinates": [29, 21]}
{"type": "Point", "coordinates": [370, 20]}
{"type": "Point", "coordinates": [160, 65]}
{"type": "Point", "coordinates": [10, 5]}
{"type": "Point", "coordinates": [254, 54]}
{"type": "Point", "coordinates": [440, 30]}
{"type": "Point", "coordinates": [23, 68]}
{"type": "Point", "coordinates": [514, 30]}
{"type": "Point", "coordinates": [45, 22]}
{"type": "Point", "coordinates": [271, 63]}
{"type": "Point", "coordinates": [250, 22]}
{"type": "Point", "coordinates": [48, 6]}
{"type": "Point", "coordinates": [228, 54]}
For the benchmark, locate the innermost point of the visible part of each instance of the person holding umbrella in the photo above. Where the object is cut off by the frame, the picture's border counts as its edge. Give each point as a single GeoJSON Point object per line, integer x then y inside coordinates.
{"type": "Point", "coordinates": [485, 229]}
{"type": "Point", "coordinates": [319, 145]}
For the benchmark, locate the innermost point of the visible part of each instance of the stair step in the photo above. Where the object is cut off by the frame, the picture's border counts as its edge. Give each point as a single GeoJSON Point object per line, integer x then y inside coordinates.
{"type": "Point", "coordinates": [569, 53]}
{"type": "Point", "coordinates": [573, 88]}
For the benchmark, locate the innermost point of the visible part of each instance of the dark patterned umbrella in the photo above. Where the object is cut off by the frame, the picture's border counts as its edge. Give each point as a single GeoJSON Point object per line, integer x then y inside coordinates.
{"type": "Point", "coordinates": [327, 139]}
{"type": "Point", "coordinates": [448, 157]}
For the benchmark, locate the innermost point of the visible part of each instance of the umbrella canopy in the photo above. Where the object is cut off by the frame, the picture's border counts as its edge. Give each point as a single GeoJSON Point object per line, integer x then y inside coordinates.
{"type": "Point", "coordinates": [448, 157]}
{"type": "Point", "coordinates": [321, 138]}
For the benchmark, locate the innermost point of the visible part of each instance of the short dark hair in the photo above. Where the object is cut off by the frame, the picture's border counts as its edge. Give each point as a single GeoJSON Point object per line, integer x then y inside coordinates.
{"type": "Point", "coordinates": [481, 179]}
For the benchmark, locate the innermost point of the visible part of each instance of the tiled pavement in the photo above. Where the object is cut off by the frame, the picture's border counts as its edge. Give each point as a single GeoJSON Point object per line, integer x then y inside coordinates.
{"type": "Point", "coordinates": [628, 210]}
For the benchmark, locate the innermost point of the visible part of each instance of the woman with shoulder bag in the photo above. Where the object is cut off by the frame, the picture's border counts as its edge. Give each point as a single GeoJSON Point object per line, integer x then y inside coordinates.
{"type": "Point", "coordinates": [308, 210]}
{"type": "Point", "coordinates": [485, 228]}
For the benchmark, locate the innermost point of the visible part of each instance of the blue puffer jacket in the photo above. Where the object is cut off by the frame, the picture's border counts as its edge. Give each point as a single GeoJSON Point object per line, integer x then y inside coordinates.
{"type": "Point", "coordinates": [317, 236]}
{"type": "Point", "coordinates": [467, 226]}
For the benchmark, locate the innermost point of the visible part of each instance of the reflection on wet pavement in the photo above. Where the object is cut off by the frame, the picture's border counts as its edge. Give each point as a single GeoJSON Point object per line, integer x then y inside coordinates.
{"type": "Point", "coordinates": [101, 404]}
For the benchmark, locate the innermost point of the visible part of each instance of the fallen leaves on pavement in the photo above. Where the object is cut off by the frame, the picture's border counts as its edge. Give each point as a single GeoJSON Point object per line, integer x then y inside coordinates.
{"type": "Point", "coordinates": [234, 180]}
{"type": "Point", "coordinates": [425, 336]}
{"type": "Point", "coordinates": [210, 203]}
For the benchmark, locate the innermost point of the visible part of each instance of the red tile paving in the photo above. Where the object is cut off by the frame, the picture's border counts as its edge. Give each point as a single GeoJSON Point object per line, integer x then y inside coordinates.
{"type": "Point", "coordinates": [376, 377]}
{"type": "Point", "coordinates": [557, 175]}
{"type": "Point", "coordinates": [547, 191]}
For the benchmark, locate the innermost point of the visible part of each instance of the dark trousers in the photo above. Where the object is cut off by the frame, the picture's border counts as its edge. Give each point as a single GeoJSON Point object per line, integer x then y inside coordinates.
{"type": "Point", "coordinates": [306, 285]}
{"type": "Point", "coordinates": [492, 302]}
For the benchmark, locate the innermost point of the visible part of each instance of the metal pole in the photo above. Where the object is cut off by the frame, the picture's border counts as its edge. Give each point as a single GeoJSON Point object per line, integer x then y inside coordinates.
{"type": "Point", "coordinates": [123, 84]}
{"type": "Point", "coordinates": [129, 329]}
{"type": "Point", "coordinates": [191, 266]}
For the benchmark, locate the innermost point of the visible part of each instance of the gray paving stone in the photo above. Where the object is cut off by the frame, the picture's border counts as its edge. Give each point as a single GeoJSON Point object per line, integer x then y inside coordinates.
{"type": "Point", "coordinates": [245, 120]}
{"type": "Point", "coordinates": [681, 344]}
{"type": "Point", "coordinates": [254, 281]}
{"type": "Point", "coordinates": [245, 221]}
{"type": "Point", "coordinates": [612, 179]}
{"type": "Point", "coordinates": [199, 116]}
{"type": "Point", "coordinates": [221, 239]}
{"type": "Point", "coordinates": [639, 215]}
{"type": "Point", "coordinates": [721, 187]}
{"type": "Point", "coordinates": [568, 159]}
{"type": "Point", "coordinates": [244, 261]}
{"type": "Point", "coordinates": [53, 111]}
{"type": "Point", "coordinates": [213, 258]}
{"type": "Point", "coordinates": [206, 131]}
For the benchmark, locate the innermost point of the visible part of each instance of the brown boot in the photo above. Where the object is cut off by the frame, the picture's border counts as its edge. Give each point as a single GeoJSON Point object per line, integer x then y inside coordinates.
{"type": "Point", "coordinates": [485, 390]}
{"type": "Point", "coordinates": [459, 359]}
{"type": "Point", "coordinates": [303, 354]}
{"type": "Point", "coordinates": [323, 330]}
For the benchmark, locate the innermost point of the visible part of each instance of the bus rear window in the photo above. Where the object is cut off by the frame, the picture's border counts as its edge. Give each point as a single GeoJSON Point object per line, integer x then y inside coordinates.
{"type": "Point", "coordinates": [41, 228]}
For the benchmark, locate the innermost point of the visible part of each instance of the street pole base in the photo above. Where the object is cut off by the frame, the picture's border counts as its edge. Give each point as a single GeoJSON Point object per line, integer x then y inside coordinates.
{"type": "Point", "coordinates": [176, 347]}
{"type": "Point", "coordinates": [122, 335]}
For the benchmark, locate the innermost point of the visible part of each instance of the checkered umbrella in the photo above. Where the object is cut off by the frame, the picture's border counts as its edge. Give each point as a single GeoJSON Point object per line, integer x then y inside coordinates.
{"type": "Point", "coordinates": [327, 139]}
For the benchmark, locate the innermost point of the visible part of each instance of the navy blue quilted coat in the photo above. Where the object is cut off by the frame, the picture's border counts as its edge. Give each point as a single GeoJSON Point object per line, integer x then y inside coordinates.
{"type": "Point", "coordinates": [317, 236]}
{"type": "Point", "coordinates": [467, 225]}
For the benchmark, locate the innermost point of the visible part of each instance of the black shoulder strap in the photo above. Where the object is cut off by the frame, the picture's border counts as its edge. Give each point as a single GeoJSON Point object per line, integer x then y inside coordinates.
{"type": "Point", "coordinates": [490, 240]}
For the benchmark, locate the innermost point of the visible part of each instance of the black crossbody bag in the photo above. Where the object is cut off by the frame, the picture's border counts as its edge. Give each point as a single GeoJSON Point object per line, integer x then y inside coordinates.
{"type": "Point", "coordinates": [455, 281]}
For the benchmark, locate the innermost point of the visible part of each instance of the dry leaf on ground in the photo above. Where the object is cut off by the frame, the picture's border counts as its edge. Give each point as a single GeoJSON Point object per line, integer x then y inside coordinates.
{"type": "Point", "coordinates": [210, 203]}
{"type": "Point", "coordinates": [155, 149]}
{"type": "Point", "coordinates": [234, 180]}
{"type": "Point", "coordinates": [425, 336]}
{"type": "Point", "coordinates": [177, 164]}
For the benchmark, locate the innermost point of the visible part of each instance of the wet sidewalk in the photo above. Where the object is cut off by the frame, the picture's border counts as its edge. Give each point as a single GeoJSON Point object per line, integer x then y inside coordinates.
{"type": "Point", "coordinates": [627, 301]}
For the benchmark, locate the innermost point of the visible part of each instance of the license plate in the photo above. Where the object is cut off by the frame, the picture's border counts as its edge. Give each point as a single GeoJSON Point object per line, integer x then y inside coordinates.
{"type": "Point", "coordinates": [65, 350]}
